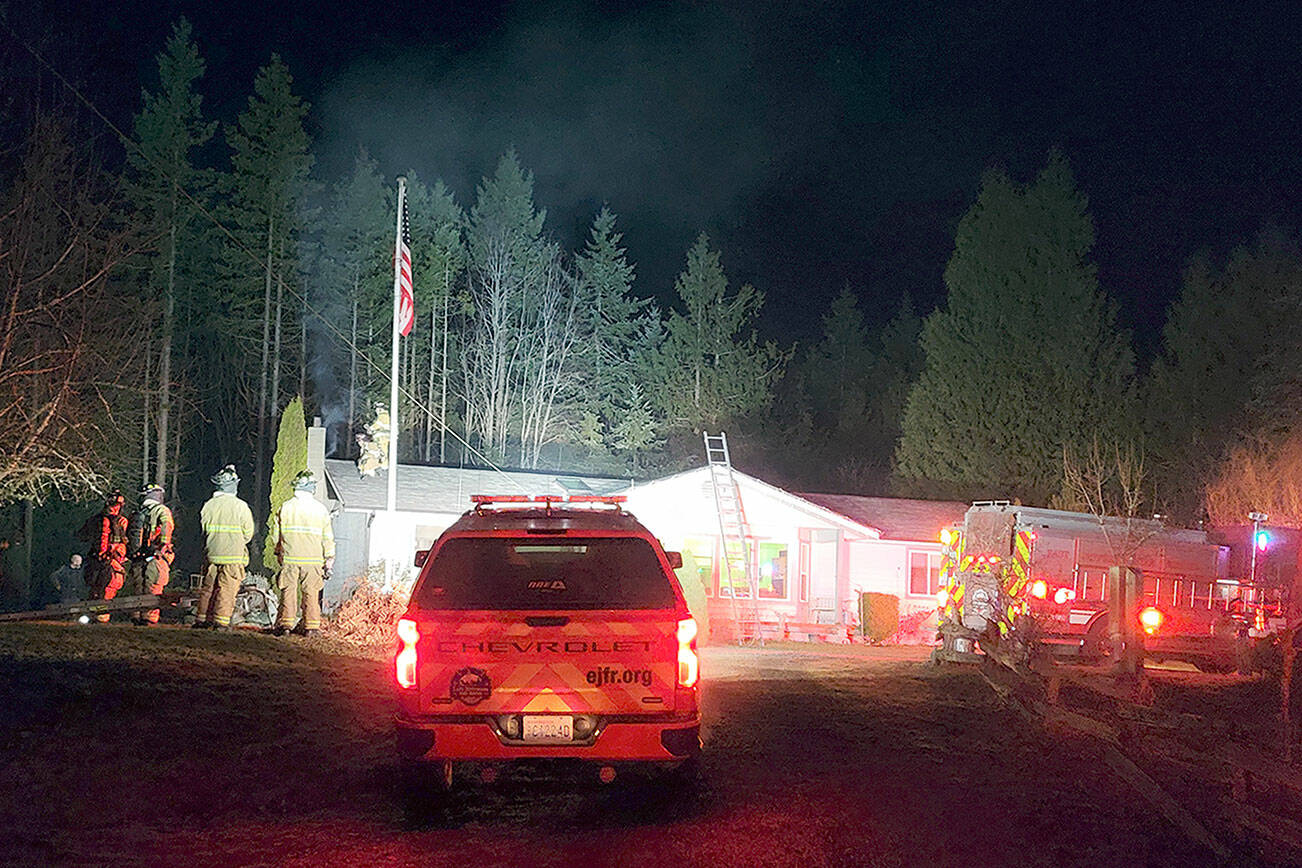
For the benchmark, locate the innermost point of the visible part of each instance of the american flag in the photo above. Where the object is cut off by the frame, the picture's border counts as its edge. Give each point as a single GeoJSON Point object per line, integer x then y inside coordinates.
{"type": "Point", "coordinates": [406, 300]}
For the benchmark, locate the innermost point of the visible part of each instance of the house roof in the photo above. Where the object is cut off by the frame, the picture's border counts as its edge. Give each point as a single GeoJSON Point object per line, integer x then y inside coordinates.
{"type": "Point", "coordinates": [448, 489]}
{"type": "Point", "coordinates": [799, 501]}
{"type": "Point", "coordinates": [896, 517]}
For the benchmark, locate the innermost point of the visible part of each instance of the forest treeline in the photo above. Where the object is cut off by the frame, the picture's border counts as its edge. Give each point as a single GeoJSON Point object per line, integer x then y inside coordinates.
{"type": "Point", "coordinates": [161, 313]}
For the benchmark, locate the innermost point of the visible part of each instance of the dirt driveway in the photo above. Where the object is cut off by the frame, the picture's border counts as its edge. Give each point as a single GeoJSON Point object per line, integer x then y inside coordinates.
{"type": "Point", "coordinates": [170, 746]}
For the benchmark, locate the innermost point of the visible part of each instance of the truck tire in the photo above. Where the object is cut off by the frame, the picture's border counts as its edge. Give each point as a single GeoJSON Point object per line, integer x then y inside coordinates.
{"type": "Point", "coordinates": [424, 789]}
{"type": "Point", "coordinates": [1097, 646]}
{"type": "Point", "coordinates": [1245, 656]}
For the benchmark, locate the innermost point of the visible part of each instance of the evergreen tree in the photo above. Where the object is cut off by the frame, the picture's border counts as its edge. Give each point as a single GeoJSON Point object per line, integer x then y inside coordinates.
{"type": "Point", "coordinates": [270, 162]}
{"type": "Point", "coordinates": [611, 324]}
{"type": "Point", "coordinates": [896, 366]}
{"type": "Point", "coordinates": [438, 258]}
{"type": "Point", "coordinates": [1227, 371]}
{"type": "Point", "coordinates": [356, 280]}
{"type": "Point", "coordinates": [837, 368]}
{"type": "Point", "coordinates": [168, 130]}
{"type": "Point", "coordinates": [290, 459]}
{"type": "Point", "coordinates": [1026, 358]}
{"type": "Point", "coordinates": [712, 367]}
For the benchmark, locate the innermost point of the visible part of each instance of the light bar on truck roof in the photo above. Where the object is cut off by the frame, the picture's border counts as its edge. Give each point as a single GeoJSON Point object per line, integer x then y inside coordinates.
{"type": "Point", "coordinates": [485, 500]}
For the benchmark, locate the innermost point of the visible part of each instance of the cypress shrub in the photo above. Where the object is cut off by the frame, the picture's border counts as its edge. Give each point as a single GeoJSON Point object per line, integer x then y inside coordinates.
{"type": "Point", "coordinates": [879, 615]}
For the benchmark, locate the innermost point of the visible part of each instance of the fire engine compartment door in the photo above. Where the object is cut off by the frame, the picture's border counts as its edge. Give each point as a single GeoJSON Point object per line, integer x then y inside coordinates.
{"type": "Point", "coordinates": [989, 533]}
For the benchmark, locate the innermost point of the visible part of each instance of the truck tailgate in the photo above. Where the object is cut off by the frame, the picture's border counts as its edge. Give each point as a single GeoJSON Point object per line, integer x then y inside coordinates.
{"type": "Point", "coordinates": [581, 662]}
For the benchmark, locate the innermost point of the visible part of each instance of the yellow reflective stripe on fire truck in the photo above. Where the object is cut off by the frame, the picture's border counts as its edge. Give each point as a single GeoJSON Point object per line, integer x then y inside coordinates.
{"type": "Point", "coordinates": [1023, 541]}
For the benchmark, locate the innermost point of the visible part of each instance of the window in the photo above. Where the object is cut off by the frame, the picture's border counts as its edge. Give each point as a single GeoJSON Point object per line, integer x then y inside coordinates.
{"type": "Point", "coordinates": [698, 556]}
{"type": "Point", "coordinates": [924, 574]}
{"type": "Point", "coordinates": [732, 568]}
{"type": "Point", "coordinates": [570, 573]}
{"type": "Point", "coordinates": [772, 577]}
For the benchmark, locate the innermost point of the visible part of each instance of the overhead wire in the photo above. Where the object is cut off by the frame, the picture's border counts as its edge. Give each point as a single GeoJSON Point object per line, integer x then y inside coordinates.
{"type": "Point", "coordinates": [132, 145]}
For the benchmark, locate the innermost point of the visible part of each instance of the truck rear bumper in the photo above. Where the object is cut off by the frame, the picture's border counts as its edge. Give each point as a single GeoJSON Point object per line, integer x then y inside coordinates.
{"type": "Point", "coordinates": [617, 741]}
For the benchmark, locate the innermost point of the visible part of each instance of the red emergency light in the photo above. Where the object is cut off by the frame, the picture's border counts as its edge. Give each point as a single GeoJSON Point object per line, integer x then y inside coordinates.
{"type": "Point", "coordinates": [485, 500]}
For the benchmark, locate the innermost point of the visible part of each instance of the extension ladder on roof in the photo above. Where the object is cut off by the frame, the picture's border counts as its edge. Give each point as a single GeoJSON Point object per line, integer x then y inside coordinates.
{"type": "Point", "coordinates": [736, 571]}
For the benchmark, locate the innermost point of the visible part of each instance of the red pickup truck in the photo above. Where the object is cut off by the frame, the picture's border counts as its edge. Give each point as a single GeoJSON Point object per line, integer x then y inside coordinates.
{"type": "Point", "coordinates": [546, 630]}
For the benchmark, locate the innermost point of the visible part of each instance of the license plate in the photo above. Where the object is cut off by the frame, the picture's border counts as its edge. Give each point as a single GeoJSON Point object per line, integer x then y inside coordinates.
{"type": "Point", "coordinates": [548, 728]}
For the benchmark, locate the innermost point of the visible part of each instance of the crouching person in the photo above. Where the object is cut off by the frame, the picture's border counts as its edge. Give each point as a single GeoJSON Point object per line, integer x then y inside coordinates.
{"type": "Point", "coordinates": [305, 548]}
{"type": "Point", "coordinates": [227, 527]}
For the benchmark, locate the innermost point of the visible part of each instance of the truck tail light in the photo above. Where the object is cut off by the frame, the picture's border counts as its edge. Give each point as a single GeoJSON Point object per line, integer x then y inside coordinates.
{"type": "Point", "coordinates": [1151, 619]}
{"type": "Point", "coordinates": [405, 663]}
{"type": "Point", "coordinates": [1040, 589]}
{"type": "Point", "coordinates": [689, 665]}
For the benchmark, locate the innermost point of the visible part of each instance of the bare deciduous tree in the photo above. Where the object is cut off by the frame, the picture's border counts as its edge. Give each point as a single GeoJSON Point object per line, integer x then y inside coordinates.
{"type": "Point", "coordinates": [1259, 477]}
{"type": "Point", "coordinates": [1108, 483]}
{"type": "Point", "coordinates": [71, 361]}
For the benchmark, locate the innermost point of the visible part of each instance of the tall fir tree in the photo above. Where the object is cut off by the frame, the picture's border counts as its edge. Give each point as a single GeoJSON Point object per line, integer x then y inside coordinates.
{"type": "Point", "coordinates": [1227, 370]}
{"type": "Point", "coordinates": [270, 162]}
{"type": "Point", "coordinates": [355, 276]}
{"type": "Point", "coordinates": [611, 321]}
{"type": "Point", "coordinates": [290, 459]}
{"type": "Point", "coordinates": [712, 368]}
{"type": "Point", "coordinates": [164, 183]}
{"type": "Point", "coordinates": [897, 364]}
{"type": "Point", "coordinates": [438, 258]}
{"type": "Point", "coordinates": [1026, 359]}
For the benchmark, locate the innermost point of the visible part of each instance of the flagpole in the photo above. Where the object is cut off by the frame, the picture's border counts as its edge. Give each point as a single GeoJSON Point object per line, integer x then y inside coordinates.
{"type": "Point", "coordinates": [392, 503]}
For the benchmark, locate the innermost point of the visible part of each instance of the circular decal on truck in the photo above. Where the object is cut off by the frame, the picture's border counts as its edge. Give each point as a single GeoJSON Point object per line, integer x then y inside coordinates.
{"type": "Point", "coordinates": [471, 686]}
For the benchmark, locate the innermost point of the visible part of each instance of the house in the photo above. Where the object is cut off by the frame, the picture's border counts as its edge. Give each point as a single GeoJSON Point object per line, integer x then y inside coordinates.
{"type": "Point", "coordinates": [429, 500]}
{"type": "Point", "coordinates": [812, 554]}
{"type": "Point", "coordinates": [905, 560]}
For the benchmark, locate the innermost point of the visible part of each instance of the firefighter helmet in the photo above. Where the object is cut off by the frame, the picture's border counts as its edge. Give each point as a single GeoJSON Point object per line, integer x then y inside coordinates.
{"type": "Point", "coordinates": [305, 481]}
{"type": "Point", "coordinates": [226, 479]}
{"type": "Point", "coordinates": [114, 498]}
{"type": "Point", "coordinates": [151, 491]}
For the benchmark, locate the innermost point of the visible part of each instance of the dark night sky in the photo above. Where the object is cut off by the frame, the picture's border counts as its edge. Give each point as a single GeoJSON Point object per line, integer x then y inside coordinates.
{"type": "Point", "coordinates": [837, 142]}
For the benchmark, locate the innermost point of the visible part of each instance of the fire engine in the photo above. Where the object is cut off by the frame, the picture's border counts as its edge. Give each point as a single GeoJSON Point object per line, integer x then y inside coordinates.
{"type": "Point", "coordinates": [1015, 577]}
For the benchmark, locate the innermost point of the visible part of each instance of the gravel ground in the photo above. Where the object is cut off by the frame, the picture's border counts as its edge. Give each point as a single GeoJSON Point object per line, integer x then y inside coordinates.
{"type": "Point", "coordinates": [171, 746]}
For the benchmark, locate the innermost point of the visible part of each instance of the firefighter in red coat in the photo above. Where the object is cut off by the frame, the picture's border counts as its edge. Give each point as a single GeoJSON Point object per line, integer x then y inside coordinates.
{"type": "Point", "coordinates": [109, 552]}
{"type": "Point", "coordinates": [150, 535]}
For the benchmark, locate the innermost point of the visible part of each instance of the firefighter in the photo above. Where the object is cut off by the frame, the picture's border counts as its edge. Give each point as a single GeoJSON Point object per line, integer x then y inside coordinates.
{"type": "Point", "coordinates": [150, 536]}
{"type": "Point", "coordinates": [109, 553]}
{"type": "Point", "coordinates": [305, 548]}
{"type": "Point", "coordinates": [227, 526]}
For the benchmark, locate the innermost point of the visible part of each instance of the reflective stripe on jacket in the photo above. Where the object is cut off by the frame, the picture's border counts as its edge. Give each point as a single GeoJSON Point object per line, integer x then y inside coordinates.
{"type": "Point", "coordinates": [227, 527]}
{"type": "Point", "coordinates": [303, 532]}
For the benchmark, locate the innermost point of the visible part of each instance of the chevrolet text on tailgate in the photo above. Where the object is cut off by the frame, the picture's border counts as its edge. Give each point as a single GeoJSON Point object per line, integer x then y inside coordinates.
{"type": "Point", "coordinates": [546, 628]}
